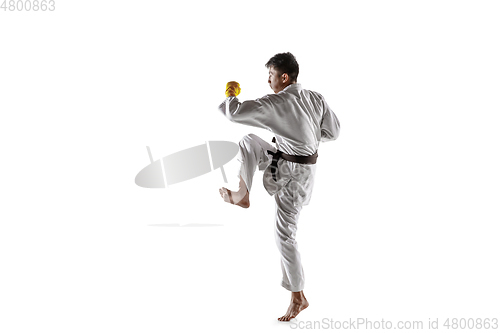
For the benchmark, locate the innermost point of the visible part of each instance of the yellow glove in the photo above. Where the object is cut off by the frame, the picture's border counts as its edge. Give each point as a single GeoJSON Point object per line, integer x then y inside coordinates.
{"type": "Point", "coordinates": [232, 89]}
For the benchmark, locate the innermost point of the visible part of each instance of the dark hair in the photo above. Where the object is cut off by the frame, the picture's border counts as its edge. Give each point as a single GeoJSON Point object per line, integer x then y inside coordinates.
{"type": "Point", "coordinates": [285, 63]}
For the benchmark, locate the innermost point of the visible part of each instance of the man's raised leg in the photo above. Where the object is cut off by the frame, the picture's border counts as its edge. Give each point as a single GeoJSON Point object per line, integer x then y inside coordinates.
{"type": "Point", "coordinates": [252, 154]}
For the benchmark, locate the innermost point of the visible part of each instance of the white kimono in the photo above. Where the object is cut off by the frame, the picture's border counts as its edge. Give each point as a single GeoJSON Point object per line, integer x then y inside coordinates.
{"type": "Point", "coordinates": [300, 119]}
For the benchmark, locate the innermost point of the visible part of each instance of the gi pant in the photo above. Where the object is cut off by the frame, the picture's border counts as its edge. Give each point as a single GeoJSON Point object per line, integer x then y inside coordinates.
{"type": "Point", "coordinates": [291, 191]}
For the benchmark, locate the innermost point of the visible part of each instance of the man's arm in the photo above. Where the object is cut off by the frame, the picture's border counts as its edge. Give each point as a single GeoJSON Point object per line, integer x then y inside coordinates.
{"type": "Point", "coordinates": [257, 113]}
{"type": "Point", "coordinates": [330, 126]}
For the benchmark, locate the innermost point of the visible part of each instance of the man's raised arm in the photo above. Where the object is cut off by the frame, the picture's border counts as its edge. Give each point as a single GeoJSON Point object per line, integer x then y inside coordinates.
{"type": "Point", "coordinates": [257, 113]}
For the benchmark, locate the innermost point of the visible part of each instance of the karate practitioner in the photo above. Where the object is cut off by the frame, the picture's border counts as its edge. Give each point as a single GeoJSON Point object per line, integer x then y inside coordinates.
{"type": "Point", "coordinates": [300, 119]}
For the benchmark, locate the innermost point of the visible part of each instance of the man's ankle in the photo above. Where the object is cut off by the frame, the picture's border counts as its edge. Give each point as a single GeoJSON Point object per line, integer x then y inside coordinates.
{"type": "Point", "coordinates": [298, 295]}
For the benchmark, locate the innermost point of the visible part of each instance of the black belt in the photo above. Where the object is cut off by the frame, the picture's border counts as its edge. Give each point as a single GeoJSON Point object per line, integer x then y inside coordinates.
{"type": "Point", "coordinates": [311, 159]}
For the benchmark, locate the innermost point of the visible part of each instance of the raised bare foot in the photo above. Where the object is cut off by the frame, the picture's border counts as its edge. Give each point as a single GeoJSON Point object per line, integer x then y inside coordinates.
{"type": "Point", "coordinates": [297, 304]}
{"type": "Point", "coordinates": [235, 198]}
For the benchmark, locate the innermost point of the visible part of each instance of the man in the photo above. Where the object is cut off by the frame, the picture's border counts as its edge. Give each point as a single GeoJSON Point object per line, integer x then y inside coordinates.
{"type": "Point", "coordinates": [300, 119]}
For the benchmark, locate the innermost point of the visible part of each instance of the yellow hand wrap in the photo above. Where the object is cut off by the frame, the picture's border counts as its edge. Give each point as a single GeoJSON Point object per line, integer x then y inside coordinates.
{"type": "Point", "coordinates": [232, 89]}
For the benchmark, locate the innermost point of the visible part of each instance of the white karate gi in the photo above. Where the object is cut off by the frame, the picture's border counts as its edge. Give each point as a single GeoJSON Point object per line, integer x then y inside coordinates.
{"type": "Point", "coordinates": [300, 119]}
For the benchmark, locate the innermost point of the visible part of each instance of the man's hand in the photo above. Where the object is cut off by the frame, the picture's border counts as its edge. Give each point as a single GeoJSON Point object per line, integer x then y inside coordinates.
{"type": "Point", "coordinates": [232, 89]}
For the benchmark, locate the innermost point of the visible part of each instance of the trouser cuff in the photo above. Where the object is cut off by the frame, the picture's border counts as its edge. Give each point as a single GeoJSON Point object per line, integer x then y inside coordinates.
{"type": "Point", "coordinates": [292, 288]}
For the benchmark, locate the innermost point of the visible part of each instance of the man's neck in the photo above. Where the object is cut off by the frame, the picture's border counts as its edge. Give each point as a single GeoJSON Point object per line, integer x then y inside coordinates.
{"type": "Point", "coordinates": [288, 85]}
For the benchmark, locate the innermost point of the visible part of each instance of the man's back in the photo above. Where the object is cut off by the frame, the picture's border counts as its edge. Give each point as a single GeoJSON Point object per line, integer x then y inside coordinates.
{"type": "Point", "coordinates": [299, 118]}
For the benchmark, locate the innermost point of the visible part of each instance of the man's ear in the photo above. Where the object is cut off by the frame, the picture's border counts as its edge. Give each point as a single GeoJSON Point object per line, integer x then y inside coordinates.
{"type": "Point", "coordinates": [285, 77]}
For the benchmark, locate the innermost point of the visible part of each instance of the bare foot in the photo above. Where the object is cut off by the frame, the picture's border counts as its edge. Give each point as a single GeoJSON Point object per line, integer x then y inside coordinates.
{"type": "Point", "coordinates": [298, 303]}
{"type": "Point", "coordinates": [240, 198]}
{"type": "Point", "coordinates": [235, 198]}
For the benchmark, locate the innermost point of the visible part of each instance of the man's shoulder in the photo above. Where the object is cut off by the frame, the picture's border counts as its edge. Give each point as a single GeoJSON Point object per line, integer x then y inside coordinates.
{"type": "Point", "coordinates": [272, 98]}
{"type": "Point", "coordinates": [312, 95]}
{"type": "Point", "coordinates": [293, 92]}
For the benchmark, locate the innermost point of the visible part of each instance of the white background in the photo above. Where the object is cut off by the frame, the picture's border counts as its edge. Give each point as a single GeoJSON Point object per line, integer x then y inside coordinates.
{"type": "Point", "coordinates": [403, 223]}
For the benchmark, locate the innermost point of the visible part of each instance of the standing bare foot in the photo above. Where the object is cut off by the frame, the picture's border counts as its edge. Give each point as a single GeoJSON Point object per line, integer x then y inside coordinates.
{"type": "Point", "coordinates": [298, 303]}
{"type": "Point", "coordinates": [240, 198]}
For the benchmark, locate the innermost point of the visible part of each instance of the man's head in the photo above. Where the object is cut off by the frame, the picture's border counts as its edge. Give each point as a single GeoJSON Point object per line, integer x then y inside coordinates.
{"type": "Point", "coordinates": [283, 71]}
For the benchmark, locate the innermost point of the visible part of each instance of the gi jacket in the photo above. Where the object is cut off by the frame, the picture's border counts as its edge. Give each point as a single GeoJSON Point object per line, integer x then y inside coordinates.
{"type": "Point", "coordinates": [299, 119]}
